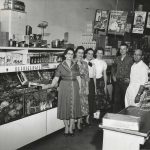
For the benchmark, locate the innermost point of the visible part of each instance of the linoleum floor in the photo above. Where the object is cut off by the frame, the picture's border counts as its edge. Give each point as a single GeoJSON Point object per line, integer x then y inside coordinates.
{"type": "Point", "coordinates": [89, 139]}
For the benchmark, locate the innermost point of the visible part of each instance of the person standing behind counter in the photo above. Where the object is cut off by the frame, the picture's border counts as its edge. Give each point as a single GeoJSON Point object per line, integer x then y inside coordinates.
{"type": "Point", "coordinates": [69, 107]}
{"type": "Point", "coordinates": [138, 77]}
{"type": "Point", "coordinates": [121, 73]}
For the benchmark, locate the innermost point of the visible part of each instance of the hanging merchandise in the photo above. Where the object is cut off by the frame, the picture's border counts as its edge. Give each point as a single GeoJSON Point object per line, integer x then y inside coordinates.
{"type": "Point", "coordinates": [101, 21]}
{"type": "Point", "coordinates": [148, 20]}
{"type": "Point", "coordinates": [139, 22]}
{"type": "Point", "coordinates": [117, 22]}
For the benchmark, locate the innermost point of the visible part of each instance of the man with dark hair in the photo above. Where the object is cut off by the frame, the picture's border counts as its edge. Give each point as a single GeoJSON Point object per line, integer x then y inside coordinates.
{"type": "Point", "coordinates": [121, 73]}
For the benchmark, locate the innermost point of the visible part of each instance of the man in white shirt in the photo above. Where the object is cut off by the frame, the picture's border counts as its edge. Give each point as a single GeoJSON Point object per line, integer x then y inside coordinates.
{"type": "Point", "coordinates": [138, 77]}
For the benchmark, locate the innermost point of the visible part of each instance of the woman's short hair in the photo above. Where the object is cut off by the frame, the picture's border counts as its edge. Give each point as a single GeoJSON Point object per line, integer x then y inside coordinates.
{"type": "Point", "coordinates": [88, 49]}
{"type": "Point", "coordinates": [99, 49]}
{"type": "Point", "coordinates": [79, 47]}
{"type": "Point", "coordinates": [66, 51]}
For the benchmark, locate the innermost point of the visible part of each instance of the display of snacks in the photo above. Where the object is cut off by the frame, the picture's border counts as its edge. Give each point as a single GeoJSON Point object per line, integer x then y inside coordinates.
{"type": "Point", "coordinates": [47, 75]}
{"type": "Point", "coordinates": [38, 58]}
{"type": "Point", "coordinates": [38, 78]}
{"type": "Point", "coordinates": [39, 100]}
{"type": "Point", "coordinates": [52, 99]}
{"type": "Point", "coordinates": [33, 100]}
{"type": "Point", "coordinates": [13, 59]}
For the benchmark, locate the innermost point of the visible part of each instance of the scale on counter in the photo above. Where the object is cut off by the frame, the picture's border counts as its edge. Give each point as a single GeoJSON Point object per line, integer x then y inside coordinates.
{"type": "Point", "coordinates": [43, 25]}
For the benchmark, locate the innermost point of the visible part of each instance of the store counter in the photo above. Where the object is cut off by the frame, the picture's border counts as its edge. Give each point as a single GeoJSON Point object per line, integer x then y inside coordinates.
{"type": "Point", "coordinates": [123, 139]}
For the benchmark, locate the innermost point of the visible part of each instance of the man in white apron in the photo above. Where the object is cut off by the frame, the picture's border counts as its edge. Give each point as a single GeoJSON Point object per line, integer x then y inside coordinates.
{"type": "Point", "coordinates": [138, 77]}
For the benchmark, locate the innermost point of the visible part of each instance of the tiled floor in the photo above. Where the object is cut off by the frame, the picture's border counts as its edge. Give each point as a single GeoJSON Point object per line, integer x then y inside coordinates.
{"type": "Point", "coordinates": [89, 139]}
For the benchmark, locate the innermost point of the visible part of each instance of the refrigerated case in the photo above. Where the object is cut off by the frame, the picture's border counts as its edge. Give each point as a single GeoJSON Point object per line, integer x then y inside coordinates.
{"type": "Point", "coordinates": [24, 106]}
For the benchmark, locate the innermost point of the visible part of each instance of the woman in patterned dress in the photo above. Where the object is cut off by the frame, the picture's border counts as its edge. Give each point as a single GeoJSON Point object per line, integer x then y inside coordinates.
{"type": "Point", "coordinates": [69, 107]}
{"type": "Point", "coordinates": [84, 91]}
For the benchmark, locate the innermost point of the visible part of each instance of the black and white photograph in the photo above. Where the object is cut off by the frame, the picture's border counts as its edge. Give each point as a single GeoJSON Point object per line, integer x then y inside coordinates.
{"type": "Point", "coordinates": [74, 75]}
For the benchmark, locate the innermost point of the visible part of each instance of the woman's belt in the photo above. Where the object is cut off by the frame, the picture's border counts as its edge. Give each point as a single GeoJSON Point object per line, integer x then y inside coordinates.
{"type": "Point", "coordinates": [101, 79]}
{"type": "Point", "coordinates": [69, 79]}
{"type": "Point", "coordinates": [120, 79]}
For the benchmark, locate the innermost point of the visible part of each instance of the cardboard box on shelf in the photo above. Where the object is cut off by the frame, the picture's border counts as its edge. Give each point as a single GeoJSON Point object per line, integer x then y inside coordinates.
{"type": "Point", "coordinates": [2, 58]}
{"type": "Point", "coordinates": [4, 38]}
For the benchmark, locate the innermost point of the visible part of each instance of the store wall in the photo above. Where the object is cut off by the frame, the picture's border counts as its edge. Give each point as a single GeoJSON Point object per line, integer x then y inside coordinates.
{"type": "Point", "coordinates": [67, 15]}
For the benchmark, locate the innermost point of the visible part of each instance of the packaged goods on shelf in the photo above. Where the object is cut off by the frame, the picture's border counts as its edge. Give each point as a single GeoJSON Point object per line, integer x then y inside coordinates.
{"type": "Point", "coordinates": [4, 38]}
{"type": "Point", "coordinates": [37, 78]}
{"type": "Point", "coordinates": [39, 100]}
{"type": "Point", "coordinates": [12, 58]}
{"type": "Point", "coordinates": [2, 58]}
{"type": "Point", "coordinates": [87, 40]}
{"type": "Point", "coordinates": [22, 78]}
{"type": "Point", "coordinates": [108, 50]}
{"type": "Point", "coordinates": [36, 58]}
{"type": "Point", "coordinates": [33, 101]}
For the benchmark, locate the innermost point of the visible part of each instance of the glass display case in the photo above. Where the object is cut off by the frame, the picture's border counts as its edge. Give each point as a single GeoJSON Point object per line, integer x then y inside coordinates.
{"type": "Point", "coordinates": [11, 98]}
{"type": "Point", "coordinates": [18, 100]}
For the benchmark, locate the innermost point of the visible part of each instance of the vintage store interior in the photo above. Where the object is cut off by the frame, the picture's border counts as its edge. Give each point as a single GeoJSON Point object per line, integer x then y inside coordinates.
{"type": "Point", "coordinates": [33, 37]}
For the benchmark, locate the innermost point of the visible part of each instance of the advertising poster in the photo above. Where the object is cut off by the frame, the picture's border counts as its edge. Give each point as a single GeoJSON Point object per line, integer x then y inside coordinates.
{"type": "Point", "coordinates": [139, 22]}
{"type": "Point", "coordinates": [101, 21]}
{"type": "Point", "coordinates": [148, 20]}
{"type": "Point", "coordinates": [117, 22]}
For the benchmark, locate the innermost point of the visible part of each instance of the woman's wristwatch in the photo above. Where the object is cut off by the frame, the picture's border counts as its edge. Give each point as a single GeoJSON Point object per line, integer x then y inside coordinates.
{"type": "Point", "coordinates": [138, 94]}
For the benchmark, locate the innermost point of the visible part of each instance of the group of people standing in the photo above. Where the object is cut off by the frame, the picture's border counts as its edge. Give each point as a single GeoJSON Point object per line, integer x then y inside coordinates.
{"type": "Point", "coordinates": [80, 77]}
{"type": "Point", "coordinates": [82, 82]}
{"type": "Point", "coordinates": [129, 75]}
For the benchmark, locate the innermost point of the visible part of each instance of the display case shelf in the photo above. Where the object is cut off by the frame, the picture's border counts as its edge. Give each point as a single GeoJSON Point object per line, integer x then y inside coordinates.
{"type": "Point", "coordinates": [18, 68]}
{"type": "Point", "coordinates": [31, 49]}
